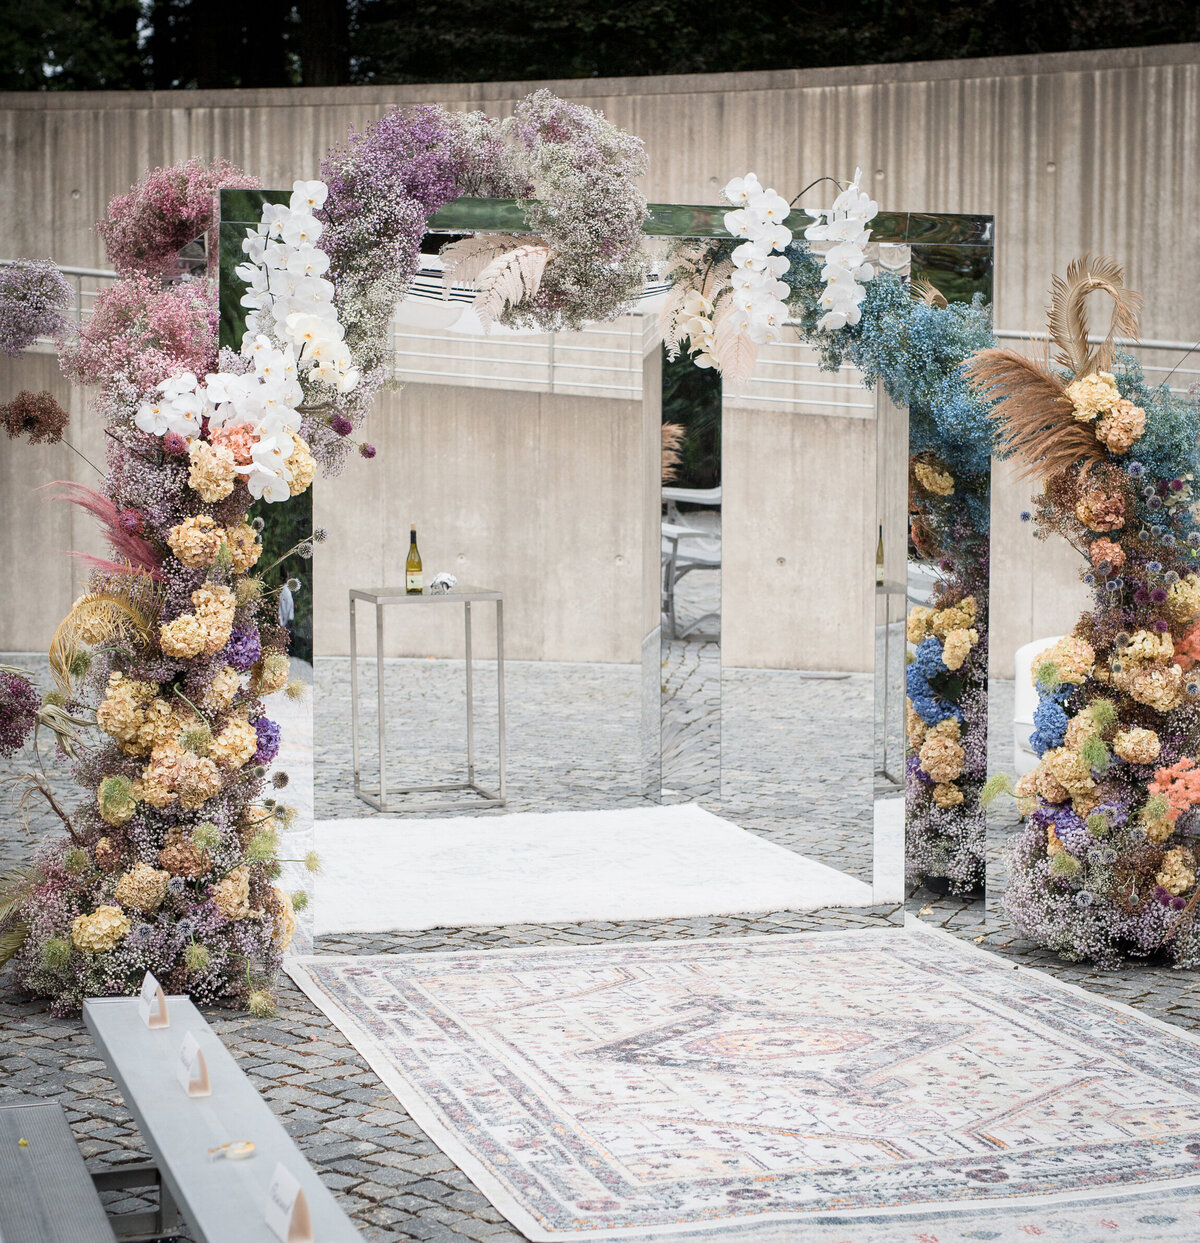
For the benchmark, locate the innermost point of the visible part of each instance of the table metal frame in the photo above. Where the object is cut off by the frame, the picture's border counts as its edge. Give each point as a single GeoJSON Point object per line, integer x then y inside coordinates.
{"type": "Point", "coordinates": [466, 596]}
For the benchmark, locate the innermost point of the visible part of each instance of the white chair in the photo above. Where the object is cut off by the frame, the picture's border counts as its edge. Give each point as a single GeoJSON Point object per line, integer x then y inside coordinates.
{"type": "Point", "coordinates": [685, 549]}
{"type": "Point", "coordinates": [1025, 700]}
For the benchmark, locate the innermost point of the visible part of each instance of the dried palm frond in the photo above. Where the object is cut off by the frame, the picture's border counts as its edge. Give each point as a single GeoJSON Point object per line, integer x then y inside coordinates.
{"type": "Point", "coordinates": [672, 439]}
{"type": "Point", "coordinates": [927, 292]}
{"type": "Point", "coordinates": [12, 939]}
{"type": "Point", "coordinates": [124, 608]}
{"type": "Point", "coordinates": [1067, 315]}
{"type": "Point", "coordinates": [464, 260]}
{"type": "Point", "coordinates": [1037, 421]}
{"type": "Point", "coordinates": [16, 885]}
{"type": "Point", "coordinates": [510, 279]}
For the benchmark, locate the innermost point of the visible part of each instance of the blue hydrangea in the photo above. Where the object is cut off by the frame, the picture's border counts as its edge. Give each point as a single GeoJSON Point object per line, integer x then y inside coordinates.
{"type": "Point", "coordinates": [927, 703]}
{"type": "Point", "coordinates": [1050, 725]}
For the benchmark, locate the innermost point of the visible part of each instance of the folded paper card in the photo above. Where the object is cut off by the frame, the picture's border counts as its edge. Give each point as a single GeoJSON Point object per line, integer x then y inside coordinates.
{"type": "Point", "coordinates": [152, 1004]}
{"type": "Point", "coordinates": [287, 1212]}
{"type": "Point", "coordinates": [193, 1070]}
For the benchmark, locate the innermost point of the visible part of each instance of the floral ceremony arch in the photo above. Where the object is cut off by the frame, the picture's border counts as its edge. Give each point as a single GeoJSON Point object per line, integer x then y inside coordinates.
{"type": "Point", "coordinates": [214, 401]}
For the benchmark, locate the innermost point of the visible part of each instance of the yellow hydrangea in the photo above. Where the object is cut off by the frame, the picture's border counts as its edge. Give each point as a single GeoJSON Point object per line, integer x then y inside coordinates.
{"type": "Point", "coordinates": [244, 548]}
{"type": "Point", "coordinates": [220, 692]}
{"type": "Point", "coordinates": [939, 482]}
{"type": "Point", "coordinates": [197, 780]}
{"type": "Point", "coordinates": [215, 607]}
{"type": "Point", "coordinates": [957, 647]}
{"type": "Point", "coordinates": [1158, 687]}
{"type": "Point", "coordinates": [1072, 657]}
{"type": "Point", "coordinates": [301, 466]}
{"type": "Point", "coordinates": [212, 472]}
{"type": "Point", "coordinates": [183, 638]}
{"type": "Point", "coordinates": [195, 541]}
{"type": "Point", "coordinates": [914, 727]}
{"type": "Point", "coordinates": [285, 920]}
{"type": "Point", "coordinates": [271, 673]}
{"type": "Point", "coordinates": [941, 758]}
{"type": "Point", "coordinates": [1137, 745]}
{"type": "Point", "coordinates": [142, 888]}
{"type": "Point", "coordinates": [232, 895]}
{"type": "Point", "coordinates": [1092, 395]}
{"type": "Point", "coordinates": [235, 744]}
{"type": "Point", "coordinates": [1183, 598]}
{"type": "Point", "coordinates": [1145, 645]}
{"type": "Point", "coordinates": [920, 620]}
{"type": "Point", "coordinates": [101, 931]}
{"type": "Point", "coordinates": [1120, 426]}
{"type": "Point", "coordinates": [1178, 872]}
{"type": "Point", "coordinates": [946, 794]}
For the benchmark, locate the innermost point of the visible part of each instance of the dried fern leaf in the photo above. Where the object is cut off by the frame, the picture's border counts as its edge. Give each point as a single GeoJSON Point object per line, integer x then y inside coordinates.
{"type": "Point", "coordinates": [1038, 427]}
{"type": "Point", "coordinates": [509, 280]}
{"type": "Point", "coordinates": [735, 353]}
{"type": "Point", "coordinates": [464, 260]}
{"type": "Point", "coordinates": [1067, 316]}
{"type": "Point", "coordinates": [669, 322]}
{"type": "Point", "coordinates": [927, 292]}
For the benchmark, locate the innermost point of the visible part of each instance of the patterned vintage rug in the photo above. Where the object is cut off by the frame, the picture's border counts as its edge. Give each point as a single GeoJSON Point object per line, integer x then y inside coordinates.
{"type": "Point", "coordinates": [844, 1087]}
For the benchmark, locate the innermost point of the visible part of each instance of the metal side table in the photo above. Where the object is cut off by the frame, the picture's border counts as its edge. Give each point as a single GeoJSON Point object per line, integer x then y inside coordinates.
{"type": "Point", "coordinates": [380, 597]}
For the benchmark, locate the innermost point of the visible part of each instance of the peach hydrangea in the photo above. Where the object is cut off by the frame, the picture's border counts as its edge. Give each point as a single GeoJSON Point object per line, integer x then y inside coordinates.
{"type": "Point", "coordinates": [1099, 512]}
{"type": "Point", "coordinates": [196, 781]}
{"type": "Point", "coordinates": [1120, 426]}
{"type": "Point", "coordinates": [942, 758]}
{"type": "Point", "coordinates": [213, 472]}
{"type": "Point", "coordinates": [1093, 394]}
{"type": "Point", "coordinates": [272, 672]}
{"type": "Point", "coordinates": [238, 438]}
{"type": "Point", "coordinates": [1146, 645]}
{"type": "Point", "coordinates": [1080, 730]}
{"type": "Point", "coordinates": [1105, 550]}
{"type": "Point", "coordinates": [121, 714]}
{"type": "Point", "coordinates": [1179, 785]}
{"type": "Point", "coordinates": [195, 541]}
{"type": "Point", "coordinates": [183, 638]}
{"type": "Point", "coordinates": [1157, 687]}
{"type": "Point", "coordinates": [914, 727]}
{"type": "Point", "coordinates": [215, 608]}
{"type": "Point", "coordinates": [1183, 598]}
{"type": "Point", "coordinates": [101, 931]}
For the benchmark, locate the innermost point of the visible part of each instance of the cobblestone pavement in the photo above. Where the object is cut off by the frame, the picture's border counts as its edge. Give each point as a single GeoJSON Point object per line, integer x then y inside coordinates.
{"type": "Point", "coordinates": [387, 1174]}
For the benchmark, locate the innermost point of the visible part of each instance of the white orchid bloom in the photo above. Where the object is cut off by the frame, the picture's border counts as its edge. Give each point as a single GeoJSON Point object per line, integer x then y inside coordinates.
{"type": "Point", "coordinates": [347, 382]}
{"type": "Point", "coordinates": [185, 411]}
{"type": "Point", "coordinates": [772, 207]}
{"type": "Point", "coordinates": [175, 385]}
{"type": "Point", "coordinates": [266, 485]}
{"type": "Point", "coordinates": [740, 189]}
{"type": "Point", "coordinates": [308, 261]}
{"type": "Point", "coordinates": [303, 228]}
{"type": "Point", "coordinates": [275, 216]}
{"type": "Point", "coordinates": [750, 255]}
{"type": "Point", "coordinates": [152, 417]}
{"type": "Point", "coordinates": [308, 195]}
{"type": "Point", "coordinates": [777, 265]}
{"type": "Point", "coordinates": [254, 247]}
{"type": "Point", "coordinates": [695, 303]}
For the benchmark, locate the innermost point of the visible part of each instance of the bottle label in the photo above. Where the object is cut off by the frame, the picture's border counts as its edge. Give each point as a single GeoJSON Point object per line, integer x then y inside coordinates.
{"type": "Point", "coordinates": [412, 582]}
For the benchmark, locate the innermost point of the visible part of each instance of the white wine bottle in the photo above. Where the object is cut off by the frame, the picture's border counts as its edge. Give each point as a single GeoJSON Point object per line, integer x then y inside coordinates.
{"type": "Point", "coordinates": [414, 583]}
{"type": "Point", "coordinates": [879, 559]}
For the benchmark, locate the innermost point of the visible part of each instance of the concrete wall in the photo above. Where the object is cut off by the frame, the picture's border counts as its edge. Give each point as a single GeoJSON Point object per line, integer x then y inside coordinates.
{"type": "Point", "coordinates": [1071, 152]}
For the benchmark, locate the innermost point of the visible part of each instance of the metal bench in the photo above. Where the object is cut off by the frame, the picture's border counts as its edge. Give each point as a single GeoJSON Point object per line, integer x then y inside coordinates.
{"type": "Point", "coordinates": [221, 1201]}
{"type": "Point", "coordinates": [46, 1192]}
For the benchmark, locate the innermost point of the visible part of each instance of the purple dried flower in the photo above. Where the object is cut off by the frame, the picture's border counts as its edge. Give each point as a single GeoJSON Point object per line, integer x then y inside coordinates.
{"type": "Point", "coordinates": [367, 451]}
{"type": "Point", "coordinates": [1158, 596]}
{"type": "Point", "coordinates": [244, 649]}
{"type": "Point", "coordinates": [34, 297]}
{"type": "Point", "coordinates": [19, 704]}
{"type": "Point", "coordinates": [36, 415]}
{"type": "Point", "coordinates": [174, 445]}
{"type": "Point", "coordinates": [342, 425]}
{"type": "Point", "coordinates": [268, 740]}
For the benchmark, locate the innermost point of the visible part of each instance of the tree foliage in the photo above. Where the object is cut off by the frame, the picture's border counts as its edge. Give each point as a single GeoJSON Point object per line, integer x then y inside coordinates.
{"type": "Point", "coordinates": [123, 44]}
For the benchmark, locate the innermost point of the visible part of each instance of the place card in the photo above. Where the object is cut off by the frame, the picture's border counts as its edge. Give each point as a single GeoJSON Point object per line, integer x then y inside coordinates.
{"type": "Point", "coordinates": [152, 1004]}
{"type": "Point", "coordinates": [193, 1070]}
{"type": "Point", "coordinates": [287, 1212]}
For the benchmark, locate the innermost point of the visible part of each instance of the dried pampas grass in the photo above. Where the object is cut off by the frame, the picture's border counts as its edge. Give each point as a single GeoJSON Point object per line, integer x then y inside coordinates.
{"type": "Point", "coordinates": [1067, 316]}
{"type": "Point", "coordinates": [1037, 421]}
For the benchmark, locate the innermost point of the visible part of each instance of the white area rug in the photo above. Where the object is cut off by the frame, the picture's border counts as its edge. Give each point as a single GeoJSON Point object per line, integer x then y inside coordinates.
{"type": "Point", "coordinates": [644, 863]}
{"type": "Point", "coordinates": [883, 1085]}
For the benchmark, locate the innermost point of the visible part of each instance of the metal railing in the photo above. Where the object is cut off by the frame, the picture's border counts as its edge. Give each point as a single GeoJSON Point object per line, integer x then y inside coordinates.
{"type": "Point", "coordinates": [612, 368]}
